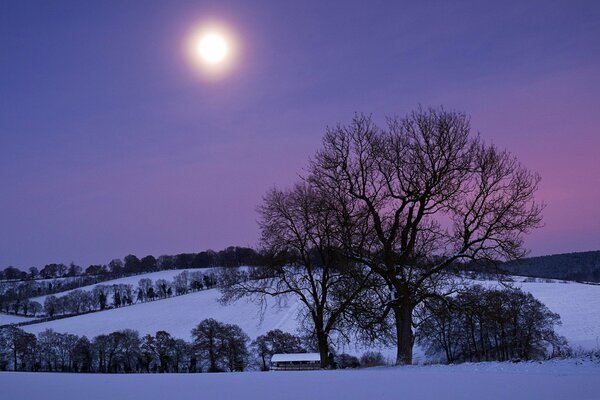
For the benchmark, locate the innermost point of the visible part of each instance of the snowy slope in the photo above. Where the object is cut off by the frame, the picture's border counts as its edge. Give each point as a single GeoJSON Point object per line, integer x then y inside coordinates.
{"type": "Point", "coordinates": [178, 315]}
{"type": "Point", "coordinates": [578, 305]}
{"type": "Point", "coordinates": [131, 280]}
{"type": "Point", "coordinates": [565, 379]}
{"type": "Point", "coordinates": [12, 319]}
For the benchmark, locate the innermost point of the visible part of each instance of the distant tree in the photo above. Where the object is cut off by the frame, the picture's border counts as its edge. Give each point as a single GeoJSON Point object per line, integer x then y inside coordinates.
{"type": "Point", "coordinates": [52, 306]}
{"type": "Point", "coordinates": [205, 259]}
{"type": "Point", "coordinates": [131, 264]}
{"type": "Point", "coordinates": [49, 271]}
{"type": "Point", "coordinates": [164, 345]}
{"type": "Point", "coordinates": [74, 270]}
{"type": "Point", "coordinates": [100, 293]}
{"type": "Point", "coordinates": [181, 355]}
{"type": "Point", "coordinates": [196, 280]}
{"type": "Point", "coordinates": [75, 301]}
{"type": "Point", "coordinates": [184, 260]}
{"type": "Point", "coordinates": [148, 264]}
{"type": "Point", "coordinates": [116, 266]}
{"type": "Point", "coordinates": [83, 356]}
{"type": "Point", "coordinates": [207, 342]}
{"type": "Point", "coordinates": [35, 308]}
{"type": "Point", "coordinates": [96, 269]}
{"type": "Point", "coordinates": [166, 262]}
{"type": "Point", "coordinates": [33, 272]}
{"type": "Point", "coordinates": [148, 354]}
{"type": "Point", "coordinates": [101, 346]}
{"type": "Point", "coordinates": [275, 342]}
{"type": "Point", "coordinates": [20, 345]}
{"type": "Point", "coordinates": [235, 347]}
{"type": "Point", "coordinates": [162, 288]}
{"type": "Point", "coordinates": [181, 282]}
{"type": "Point", "coordinates": [144, 285]}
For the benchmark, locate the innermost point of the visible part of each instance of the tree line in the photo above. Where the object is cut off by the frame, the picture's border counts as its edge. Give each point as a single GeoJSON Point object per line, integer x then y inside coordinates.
{"type": "Point", "coordinates": [487, 324]}
{"type": "Point", "coordinates": [102, 297]}
{"type": "Point", "coordinates": [19, 286]}
{"type": "Point", "coordinates": [215, 347]}
{"type": "Point", "coordinates": [232, 256]}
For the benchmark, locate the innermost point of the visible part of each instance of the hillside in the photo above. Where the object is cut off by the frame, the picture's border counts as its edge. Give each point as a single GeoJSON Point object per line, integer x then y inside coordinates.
{"type": "Point", "coordinates": [131, 280]}
{"type": "Point", "coordinates": [177, 315]}
{"type": "Point", "coordinates": [578, 305]}
{"type": "Point", "coordinates": [584, 266]}
{"type": "Point", "coordinates": [12, 319]}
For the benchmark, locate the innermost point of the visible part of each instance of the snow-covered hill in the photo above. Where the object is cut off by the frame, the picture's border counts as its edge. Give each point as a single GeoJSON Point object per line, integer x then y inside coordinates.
{"type": "Point", "coordinates": [178, 315]}
{"type": "Point", "coordinates": [6, 319]}
{"type": "Point", "coordinates": [131, 280]}
{"type": "Point", "coordinates": [578, 305]}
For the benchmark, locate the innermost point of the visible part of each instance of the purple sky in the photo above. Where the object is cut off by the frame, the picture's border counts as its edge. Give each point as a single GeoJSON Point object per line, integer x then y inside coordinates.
{"type": "Point", "coordinates": [110, 143]}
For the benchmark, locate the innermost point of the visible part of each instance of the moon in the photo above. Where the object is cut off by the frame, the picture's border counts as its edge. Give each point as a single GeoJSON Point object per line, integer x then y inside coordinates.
{"type": "Point", "coordinates": [212, 48]}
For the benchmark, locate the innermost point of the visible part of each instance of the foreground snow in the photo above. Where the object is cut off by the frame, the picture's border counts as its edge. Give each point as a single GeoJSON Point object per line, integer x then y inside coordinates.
{"type": "Point", "coordinates": [565, 379]}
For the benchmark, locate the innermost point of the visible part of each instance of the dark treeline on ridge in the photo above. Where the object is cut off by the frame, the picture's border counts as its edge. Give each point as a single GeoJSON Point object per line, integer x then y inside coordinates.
{"type": "Point", "coordinates": [232, 256]}
{"type": "Point", "coordinates": [581, 266]}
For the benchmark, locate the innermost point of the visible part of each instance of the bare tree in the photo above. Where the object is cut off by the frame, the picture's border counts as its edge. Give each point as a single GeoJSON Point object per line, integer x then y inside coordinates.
{"type": "Point", "coordinates": [299, 233]}
{"type": "Point", "coordinates": [432, 194]}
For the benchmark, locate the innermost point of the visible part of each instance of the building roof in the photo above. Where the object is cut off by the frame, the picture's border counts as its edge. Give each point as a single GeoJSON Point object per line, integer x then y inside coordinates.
{"type": "Point", "coordinates": [296, 357]}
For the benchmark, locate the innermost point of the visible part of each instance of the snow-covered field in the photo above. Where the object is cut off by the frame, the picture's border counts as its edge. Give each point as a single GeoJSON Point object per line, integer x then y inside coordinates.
{"type": "Point", "coordinates": [178, 315]}
{"type": "Point", "coordinates": [564, 379]}
{"type": "Point", "coordinates": [579, 308]}
{"type": "Point", "coordinates": [130, 280]}
{"type": "Point", "coordinates": [6, 319]}
{"type": "Point", "coordinates": [578, 305]}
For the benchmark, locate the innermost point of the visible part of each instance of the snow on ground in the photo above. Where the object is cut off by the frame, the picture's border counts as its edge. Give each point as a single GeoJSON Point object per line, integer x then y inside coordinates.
{"type": "Point", "coordinates": [6, 319]}
{"type": "Point", "coordinates": [564, 379]}
{"type": "Point", "coordinates": [577, 304]}
{"type": "Point", "coordinates": [178, 315]}
{"type": "Point", "coordinates": [131, 280]}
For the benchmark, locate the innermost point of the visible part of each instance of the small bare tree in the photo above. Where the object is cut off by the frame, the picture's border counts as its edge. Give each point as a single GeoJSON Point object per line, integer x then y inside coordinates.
{"type": "Point", "coordinates": [430, 194]}
{"type": "Point", "coordinates": [298, 233]}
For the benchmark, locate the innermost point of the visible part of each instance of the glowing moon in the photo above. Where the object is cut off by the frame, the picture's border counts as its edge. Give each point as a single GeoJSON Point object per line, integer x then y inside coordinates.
{"type": "Point", "coordinates": [212, 48]}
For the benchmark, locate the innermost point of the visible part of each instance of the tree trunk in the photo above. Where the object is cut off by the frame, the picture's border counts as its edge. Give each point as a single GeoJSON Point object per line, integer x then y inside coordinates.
{"type": "Point", "coordinates": [404, 333]}
{"type": "Point", "coordinates": [323, 349]}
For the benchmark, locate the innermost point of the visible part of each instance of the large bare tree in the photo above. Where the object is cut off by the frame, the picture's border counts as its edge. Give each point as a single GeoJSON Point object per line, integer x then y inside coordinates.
{"type": "Point", "coordinates": [424, 193]}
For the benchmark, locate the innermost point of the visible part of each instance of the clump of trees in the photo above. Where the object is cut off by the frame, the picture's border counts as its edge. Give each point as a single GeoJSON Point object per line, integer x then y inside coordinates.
{"type": "Point", "coordinates": [215, 347]}
{"type": "Point", "coordinates": [224, 346]}
{"type": "Point", "coordinates": [276, 342]}
{"type": "Point", "coordinates": [490, 324]}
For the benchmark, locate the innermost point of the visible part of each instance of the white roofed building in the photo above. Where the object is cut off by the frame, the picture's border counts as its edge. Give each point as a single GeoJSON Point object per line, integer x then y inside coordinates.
{"type": "Point", "coordinates": [295, 361]}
